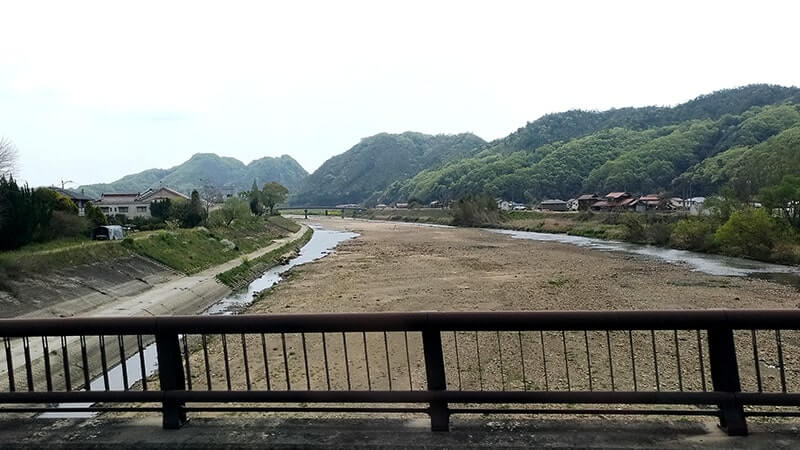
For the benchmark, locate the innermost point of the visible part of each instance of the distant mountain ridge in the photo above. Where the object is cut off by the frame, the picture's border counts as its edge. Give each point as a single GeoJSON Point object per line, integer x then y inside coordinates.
{"type": "Point", "coordinates": [361, 173]}
{"type": "Point", "coordinates": [208, 169]}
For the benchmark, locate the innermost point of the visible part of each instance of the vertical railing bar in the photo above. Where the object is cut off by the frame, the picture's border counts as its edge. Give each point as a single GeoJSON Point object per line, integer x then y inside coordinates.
{"type": "Point", "coordinates": [47, 374]}
{"type": "Point", "coordinates": [478, 351]}
{"type": "Point", "coordinates": [246, 362]}
{"type": "Point", "coordinates": [566, 359]}
{"type": "Point", "coordinates": [103, 361]}
{"type": "Point", "coordinates": [408, 362]}
{"type": "Point", "coordinates": [678, 361]}
{"type": "Point", "coordinates": [187, 362]}
{"type": "Point", "coordinates": [286, 362]}
{"type": "Point", "coordinates": [85, 362]}
{"type": "Point", "coordinates": [325, 357]}
{"type": "Point", "coordinates": [458, 360]}
{"type": "Point", "coordinates": [305, 361]}
{"type": "Point", "coordinates": [140, 348]}
{"type": "Point", "coordinates": [388, 365]}
{"type": "Point", "coordinates": [522, 361]}
{"type": "Point", "coordinates": [225, 357]}
{"type": "Point", "coordinates": [65, 360]}
{"type": "Point", "coordinates": [780, 360]}
{"type": "Point", "coordinates": [610, 362]}
{"type": "Point", "coordinates": [9, 364]}
{"type": "Point", "coordinates": [702, 364]}
{"type": "Point", "coordinates": [756, 360]}
{"type": "Point", "coordinates": [655, 359]}
{"type": "Point", "coordinates": [544, 361]}
{"type": "Point", "coordinates": [500, 352]}
{"type": "Point", "coordinates": [366, 359]}
{"type": "Point", "coordinates": [204, 342]}
{"type": "Point", "coordinates": [633, 361]}
{"type": "Point", "coordinates": [588, 358]}
{"type": "Point", "coordinates": [346, 360]}
{"type": "Point", "coordinates": [28, 366]}
{"type": "Point", "coordinates": [266, 360]}
{"type": "Point", "coordinates": [121, 343]}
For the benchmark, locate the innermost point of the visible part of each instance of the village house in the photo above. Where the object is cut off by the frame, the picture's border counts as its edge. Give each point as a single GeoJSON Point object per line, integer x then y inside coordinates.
{"type": "Point", "coordinates": [136, 205]}
{"type": "Point", "coordinates": [613, 201]}
{"type": "Point", "coordinates": [81, 200]}
{"type": "Point", "coordinates": [553, 205]}
{"type": "Point", "coordinates": [586, 201]}
{"type": "Point", "coordinates": [646, 203]}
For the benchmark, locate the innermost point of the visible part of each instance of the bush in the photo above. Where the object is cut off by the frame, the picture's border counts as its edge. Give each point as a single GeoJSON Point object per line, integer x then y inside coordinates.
{"type": "Point", "coordinates": [634, 227]}
{"type": "Point", "coordinates": [748, 232]}
{"type": "Point", "coordinates": [475, 210]}
{"type": "Point", "coordinates": [693, 234]}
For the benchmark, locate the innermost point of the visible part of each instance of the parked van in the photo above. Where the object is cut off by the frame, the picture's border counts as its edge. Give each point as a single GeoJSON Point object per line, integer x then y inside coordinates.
{"type": "Point", "coordinates": [108, 233]}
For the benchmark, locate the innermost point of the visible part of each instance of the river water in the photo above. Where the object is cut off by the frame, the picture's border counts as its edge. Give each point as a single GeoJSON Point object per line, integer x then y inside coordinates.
{"type": "Point", "coordinates": [322, 242]}
{"type": "Point", "coordinates": [699, 262]}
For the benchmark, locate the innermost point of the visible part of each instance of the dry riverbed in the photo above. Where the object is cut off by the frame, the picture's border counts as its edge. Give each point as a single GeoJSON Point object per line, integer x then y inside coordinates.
{"type": "Point", "coordinates": [407, 267]}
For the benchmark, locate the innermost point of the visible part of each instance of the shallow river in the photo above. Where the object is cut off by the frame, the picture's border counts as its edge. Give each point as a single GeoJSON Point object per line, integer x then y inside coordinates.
{"type": "Point", "coordinates": [698, 262]}
{"type": "Point", "coordinates": [320, 245]}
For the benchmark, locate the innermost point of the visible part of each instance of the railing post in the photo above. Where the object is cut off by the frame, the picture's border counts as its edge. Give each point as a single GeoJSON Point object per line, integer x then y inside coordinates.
{"type": "Point", "coordinates": [725, 378]}
{"type": "Point", "coordinates": [436, 380]}
{"type": "Point", "coordinates": [170, 375]}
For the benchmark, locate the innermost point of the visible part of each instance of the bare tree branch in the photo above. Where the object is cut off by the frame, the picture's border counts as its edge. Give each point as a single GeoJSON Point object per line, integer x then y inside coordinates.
{"type": "Point", "coordinates": [8, 157]}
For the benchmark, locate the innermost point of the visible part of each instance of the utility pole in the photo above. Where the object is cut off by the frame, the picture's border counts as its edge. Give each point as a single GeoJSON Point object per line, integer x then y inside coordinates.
{"type": "Point", "coordinates": [65, 182]}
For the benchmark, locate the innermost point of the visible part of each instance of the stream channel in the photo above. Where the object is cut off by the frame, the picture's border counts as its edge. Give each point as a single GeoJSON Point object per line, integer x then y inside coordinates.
{"type": "Point", "coordinates": [320, 245]}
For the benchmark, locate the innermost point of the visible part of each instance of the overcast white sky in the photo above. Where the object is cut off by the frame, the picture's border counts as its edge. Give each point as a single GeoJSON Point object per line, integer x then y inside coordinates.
{"type": "Point", "coordinates": [91, 91]}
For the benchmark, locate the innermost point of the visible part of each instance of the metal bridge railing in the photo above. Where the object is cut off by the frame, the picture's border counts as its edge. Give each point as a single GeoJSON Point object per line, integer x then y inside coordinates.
{"type": "Point", "coordinates": [725, 363]}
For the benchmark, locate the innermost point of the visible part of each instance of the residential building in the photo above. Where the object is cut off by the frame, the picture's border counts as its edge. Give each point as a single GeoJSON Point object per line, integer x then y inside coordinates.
{"type": "Point", "coordinates": [613, 201]}
{"type": "Point", "coordinates": [138, 204]}
{"type": "Point", "coordinates": [80, 199]}
{"type": "Point", "coordinates": [553, 205]}
{"type": "Point", "coordinates": [586, 201]}
{"type": "Point", "coordinates": [645, 203]}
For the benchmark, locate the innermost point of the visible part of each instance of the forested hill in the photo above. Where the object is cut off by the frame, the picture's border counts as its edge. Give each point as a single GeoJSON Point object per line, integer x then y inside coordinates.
{"type": "Point", "coordinates": [364, 171]}
{"type": "Point", "coordinates": [737, 136]}
{"type": "Point", "coordinates": [208, 169]}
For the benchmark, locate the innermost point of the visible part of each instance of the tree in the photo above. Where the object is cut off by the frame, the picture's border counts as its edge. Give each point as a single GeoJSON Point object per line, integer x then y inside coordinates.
{"type": "Point", "coordinates": [195, 213]}
{"type": "Point", "coordinates": [748, 232]}
{"type": "Point", "coordinates": [233, 209]}
{"type": "Point", "coordinates": [8, 157]}
{"type": "Point", "coordinates": [273, 194]}
{"type": "Point", "coordinates": [255, 200]}
{"type": "Point", "coordinates": [95, 216]}
{"type": "Point", "coordinates": [785, 197]}
{"type": "Point", "coordinates": [161, 209]}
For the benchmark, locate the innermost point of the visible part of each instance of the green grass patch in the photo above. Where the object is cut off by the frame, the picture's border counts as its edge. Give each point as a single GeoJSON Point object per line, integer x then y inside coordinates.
{"type": "Point", "coordinates": [57, 255]}
{"type": "Point", "coordinates": [284, 223]}
{"type": "Point", "coordinates": [251, 269]}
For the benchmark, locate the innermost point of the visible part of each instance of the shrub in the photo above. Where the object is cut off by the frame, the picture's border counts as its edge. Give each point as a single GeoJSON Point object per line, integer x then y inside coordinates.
{"type": "Point", "coordinates": [693, 234]}
{"type": "Point", "coordinates": [748, 232]}
{"type": "Point", "coordinates": [475, 210]}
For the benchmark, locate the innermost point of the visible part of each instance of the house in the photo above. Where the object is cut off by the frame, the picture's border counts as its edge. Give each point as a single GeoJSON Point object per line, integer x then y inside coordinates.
{"type": "Point", "coordinates": [613, 201]}
{"type": "Point", "coordinates": [645, 203]}
{"type": "Point", "coordinates": [401, 205]}
{"type": "Point", "coordinates": [586, 201]}
{"type": "Point", "coordinates": [503, 205]}
{"type": "Point", "coordinates": [696, 206]}
{"type": "Point", "coordinates": [136, 205]}
{"type": "Point", "coordinates": [553, 205]}
{"type": "Point", "coordinates": [81, 200]}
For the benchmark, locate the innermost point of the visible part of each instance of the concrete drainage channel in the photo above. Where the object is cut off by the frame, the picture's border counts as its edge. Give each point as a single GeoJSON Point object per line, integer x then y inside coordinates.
{"type": "Point", "coordinates": [320, 245]}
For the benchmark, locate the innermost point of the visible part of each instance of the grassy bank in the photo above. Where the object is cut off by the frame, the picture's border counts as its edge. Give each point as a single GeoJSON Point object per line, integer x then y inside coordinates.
{"type": "Point", "coordinates": [251, 269]}
{"type": "Point", "coordinates": [55, 255]}
{"type": "Point", "coordinates": [193, 250]}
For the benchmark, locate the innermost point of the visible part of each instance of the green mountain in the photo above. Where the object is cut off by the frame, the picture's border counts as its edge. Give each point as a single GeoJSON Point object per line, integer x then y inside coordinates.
{"type": "Point", "coordinates": [746, 135]}
{"type": "Point", "coordinates": [363, 172]}
{"type": "Point", "coordinates": [208, 169]}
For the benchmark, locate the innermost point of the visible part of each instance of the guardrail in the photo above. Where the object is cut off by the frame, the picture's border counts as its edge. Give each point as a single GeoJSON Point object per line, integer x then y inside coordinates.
{"type": "Point", "coordinates": [725, 363]}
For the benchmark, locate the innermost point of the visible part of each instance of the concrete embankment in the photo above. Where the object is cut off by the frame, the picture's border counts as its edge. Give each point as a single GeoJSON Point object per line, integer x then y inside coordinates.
{"type": "Point", "coordinates": [177, 295]}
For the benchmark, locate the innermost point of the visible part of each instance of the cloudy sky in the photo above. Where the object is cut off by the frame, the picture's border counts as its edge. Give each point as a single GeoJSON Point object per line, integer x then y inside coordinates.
{"type": "Point", "coordinates": [91, 91]}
